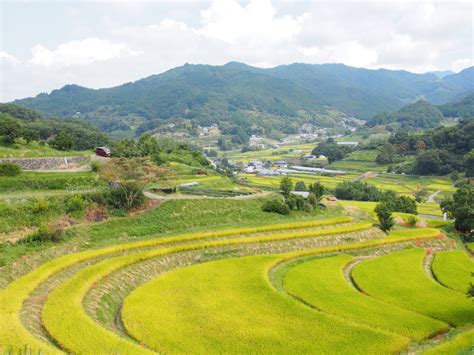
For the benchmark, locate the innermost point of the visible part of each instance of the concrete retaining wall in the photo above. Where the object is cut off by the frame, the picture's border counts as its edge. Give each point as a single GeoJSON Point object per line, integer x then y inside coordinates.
{"type": "Point", "coordinates": [56, 163]}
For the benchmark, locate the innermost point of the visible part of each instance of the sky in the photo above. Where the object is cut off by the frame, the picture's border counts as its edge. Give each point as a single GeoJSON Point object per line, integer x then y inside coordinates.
{"type": "Point", "coordinates": [45, 45]}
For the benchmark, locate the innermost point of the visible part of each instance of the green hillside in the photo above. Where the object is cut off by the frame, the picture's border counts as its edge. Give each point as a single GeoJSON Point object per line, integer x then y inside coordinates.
{"type": "Point", "coordinates": [252, 98]}
{"type": "Point", "coordinates": [419, 115]}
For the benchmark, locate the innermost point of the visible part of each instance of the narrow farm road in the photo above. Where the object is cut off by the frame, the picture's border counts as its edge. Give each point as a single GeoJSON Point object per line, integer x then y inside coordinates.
{"type": "Point", "coordinates": [431, 198]}
{"type": "Point", "coordinates": [365, 175]}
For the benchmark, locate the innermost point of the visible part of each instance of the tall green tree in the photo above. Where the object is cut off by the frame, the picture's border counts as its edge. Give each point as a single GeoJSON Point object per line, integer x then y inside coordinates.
{"type": "Point", "coordinates": [10, 129]}
{"type": "Point", "coordinates": [384, 215]}
{"type": "Point", "coordinates": [63, 141]}
{"type": "Point", "coordinates": [318, 190]}
{"type": "Point", "coordinates": [461, 208]}
{"type": "Point", "coordinates": [286, 186]}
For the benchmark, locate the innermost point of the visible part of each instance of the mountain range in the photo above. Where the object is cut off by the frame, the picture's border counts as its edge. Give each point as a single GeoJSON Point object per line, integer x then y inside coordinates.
{"type": "Point", "coordinates": [236, 94]}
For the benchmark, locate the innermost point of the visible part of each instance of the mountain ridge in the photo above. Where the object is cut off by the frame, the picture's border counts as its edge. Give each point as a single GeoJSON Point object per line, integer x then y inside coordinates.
{"type": "Point", "coordinates": [210, 94]}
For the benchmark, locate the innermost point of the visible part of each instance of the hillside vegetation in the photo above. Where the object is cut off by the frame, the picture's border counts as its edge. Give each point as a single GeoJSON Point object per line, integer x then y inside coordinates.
{"type": "Point", "coordinates": [235, 94]}
{"type": "Point", "coordinates": [19, 125]}
{"type": "Point", "coordinates": [418, 115]}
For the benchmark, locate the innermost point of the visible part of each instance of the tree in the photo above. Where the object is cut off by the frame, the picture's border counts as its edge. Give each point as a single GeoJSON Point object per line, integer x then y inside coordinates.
{"type": "Point", "coordinates": [470, 290]}
{"type": "Point", "coordinates": [469, 157]}
{"type": "Point", "coordinates": [63, 141]}
{"type": "Point", "coordinates": [384, 214]}
{"type": "Point", "coordinates": [276, 205]}
{"type": "Point", "coordinates": [318, 190]}
{"type": "Point", "coordinates": [10, 129]}
{"type": "Point", "coordinates": [386, 154]}
{"type": "Point", "coordinates": [286, 186]}
{"type": "Point", "coordinates": [331, 150]}
{"type": "Point", "coordinates": [300, 186]}
{"type": "Point", "coordinates": [420, 195]}
{"type": "Point", "coordinates": [461, 208]}
{"type": "Point", "coordinates": [420, 145]}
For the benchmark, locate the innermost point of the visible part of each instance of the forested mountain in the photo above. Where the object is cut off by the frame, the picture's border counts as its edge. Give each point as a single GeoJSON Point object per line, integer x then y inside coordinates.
{"type": "Point", "coordinates": [239, 95]}
{"type": "Point", "coordinates": [418, 115]}
{"type": "Point", "coordinates": [463, 108]}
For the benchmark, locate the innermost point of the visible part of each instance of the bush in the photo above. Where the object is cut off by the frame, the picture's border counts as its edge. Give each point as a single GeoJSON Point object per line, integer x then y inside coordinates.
{"type": "Point", "coordinates": [40, 205]}
{"type": "Point", "coordinates": [397, 203]}
{"type": "Point", "coordinates": [313, 201]}
{"type": "Point", "coordinates": [276, 205]}
{"type": "Point", "coordinates": [95, 166]}
{"type": "Point", "coordinates": [308, 207]}
{"type": "Point", "coordinates": [357, 190]}
{"type": "Point", "coordinates": [411, 220]}
{"type": "Point", "coordinates": [51, 232]}
{"type": "Point", "coordinates": [9, 169]}
{"type": "Point", "coordinates": [126, 196]}
{"type": "Point", "coordinates": [75, 206]}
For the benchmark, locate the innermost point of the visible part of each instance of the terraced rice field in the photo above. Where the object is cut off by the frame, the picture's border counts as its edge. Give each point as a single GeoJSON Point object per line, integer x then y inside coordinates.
{"type": "Point", "coordinates": [454, 269]}
{"type": "Point", "coordinates": [274, 181]}
{"type": "Point", "coordinates": [220, 291]}
{"type": "Point", "coordinates": [369, 206]}
{"type": "Point", "coordinates": [400, 280]}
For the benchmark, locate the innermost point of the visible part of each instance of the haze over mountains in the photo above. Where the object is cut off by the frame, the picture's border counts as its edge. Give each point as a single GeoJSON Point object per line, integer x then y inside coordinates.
{"type": "Point", "coordinates": [237, 92]}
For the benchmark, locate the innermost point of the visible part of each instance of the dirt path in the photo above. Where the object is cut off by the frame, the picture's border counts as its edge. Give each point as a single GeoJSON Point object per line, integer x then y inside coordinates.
{"type": "Point", "coordinates": [366, 175]}
{"type": "Point", "coordinates": [431, 198]}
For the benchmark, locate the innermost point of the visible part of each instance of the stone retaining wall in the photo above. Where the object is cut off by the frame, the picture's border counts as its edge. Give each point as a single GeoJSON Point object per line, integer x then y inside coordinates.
{"type": "Point", "coordinates": [56, 163]}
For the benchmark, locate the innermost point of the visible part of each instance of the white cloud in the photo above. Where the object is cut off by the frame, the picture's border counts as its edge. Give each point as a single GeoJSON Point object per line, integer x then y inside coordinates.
{"type": "Point", "coordinates": [460, 64]}
{"type": "Point", "coordinates": [350, 53]}
{"type": "Point", "coordinates": [230, 22]}
{"type": "Point", "coordinates": [79, 52]}
{"type": "Point", "coordinates": [8, 58]}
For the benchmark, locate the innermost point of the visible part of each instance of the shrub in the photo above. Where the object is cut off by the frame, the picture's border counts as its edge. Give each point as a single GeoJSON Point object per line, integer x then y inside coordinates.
{"type": "Point", "coordinates": [40, 205]}
{"type": "Point", "coordinates": [96, 213]}
{"type": "Point", "coordinates": [357, 190]}
{"type": "Point", "coordinates": [411, 220]}
{"type": "Point", "coordinates": [51, 232]}
{"type": "Point", "coordinates": [397, 203]}
{"type": "Point", "coordinates": [295, 202]}
{"type": "Point", "coordinates": [276, 205]}
{"type": "Point", "coordinates": [313, 200]}
{"type": "Point", "coordinates": [127, 195]}
{"type": "Point", "coordinates": [9, 169]}
{"type": "Point", "coordinates": [95, 166]}
{"type": "Point", "coordinates": [75, 206]}
{"type": "Point", "coordinates": [308, 207]}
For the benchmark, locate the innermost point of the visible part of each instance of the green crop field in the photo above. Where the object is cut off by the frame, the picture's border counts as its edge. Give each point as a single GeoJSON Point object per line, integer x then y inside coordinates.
{"type": "Point", "coordinates": [64, 318]}
{"type": "Point", "coordinates": [454, 269]}
{"type": "Point", "coordinates": [399, 279]}
{"type": "Point", "coordinates": [240, 313]}
{"type": "Point", "coordinates": [321, 283]}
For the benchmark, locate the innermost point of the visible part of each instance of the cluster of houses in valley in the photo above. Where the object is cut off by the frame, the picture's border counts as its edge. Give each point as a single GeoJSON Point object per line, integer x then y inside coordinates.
{"type": "Point", "coordinates": [281, 167]}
